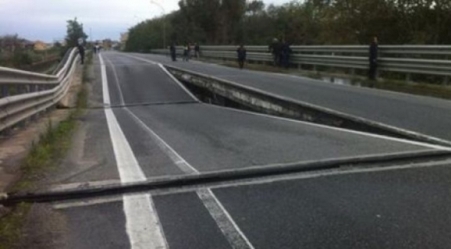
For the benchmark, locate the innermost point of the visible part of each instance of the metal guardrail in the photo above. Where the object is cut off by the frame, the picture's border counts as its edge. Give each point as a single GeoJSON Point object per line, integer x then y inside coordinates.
{"type": "Point", "coordinates": [33, 92]}
{"type": "Point", "coordinates": [408, 59]}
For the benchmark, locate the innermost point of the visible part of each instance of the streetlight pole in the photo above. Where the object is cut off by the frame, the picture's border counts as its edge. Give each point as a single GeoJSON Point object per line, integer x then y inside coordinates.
{"type": "Point", "coordinates": [164, 21]}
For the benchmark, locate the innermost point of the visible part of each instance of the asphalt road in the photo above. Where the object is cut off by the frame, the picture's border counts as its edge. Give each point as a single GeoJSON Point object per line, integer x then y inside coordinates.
{"type": "Point", "coordinates": [209, 137]}
{"type": "Point", "coordinates": [172, 134]}
{"type": "Point", "coordinates": [425, 115]}
{"type": "Point", "coordinates": [391, 209]}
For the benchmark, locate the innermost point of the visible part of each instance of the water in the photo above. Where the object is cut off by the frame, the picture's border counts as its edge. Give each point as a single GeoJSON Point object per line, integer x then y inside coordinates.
{"type": "Point", "coordinates": [341, 81]}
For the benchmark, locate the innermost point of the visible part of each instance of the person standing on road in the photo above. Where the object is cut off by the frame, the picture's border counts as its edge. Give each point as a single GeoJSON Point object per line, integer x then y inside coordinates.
{"type": "Point", "coordinates": [285, 54]}
{"type": "Point", "coordinates": [274, 48]}
{"type": "Point", "coordinates": [97, 48]}
{"type": "Point", "coordinates": [173, 51]}
{"type": "Point", "coordinates": [241, 51]}
{"type": "Point", "coordinates": [81, 50]}
{"type": "Point", "coordinates": [186, 52]}
{"type": "Point", "coordinates": [374, 47]}
{"type": "Point", "coordinates": [197, 51]}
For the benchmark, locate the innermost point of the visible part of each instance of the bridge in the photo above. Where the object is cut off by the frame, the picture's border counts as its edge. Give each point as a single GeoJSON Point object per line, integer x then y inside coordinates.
{"type": "Point", "coordinates": [199, 155]}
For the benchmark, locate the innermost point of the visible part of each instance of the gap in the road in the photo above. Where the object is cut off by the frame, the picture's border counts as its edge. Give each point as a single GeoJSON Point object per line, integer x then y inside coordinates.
{"type": "Point", "coordinates": [305, 114]}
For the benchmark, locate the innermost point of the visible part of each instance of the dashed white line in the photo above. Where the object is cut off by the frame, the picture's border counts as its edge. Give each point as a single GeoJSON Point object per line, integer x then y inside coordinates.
{"type": "Point", "coordinates": [142, 223]}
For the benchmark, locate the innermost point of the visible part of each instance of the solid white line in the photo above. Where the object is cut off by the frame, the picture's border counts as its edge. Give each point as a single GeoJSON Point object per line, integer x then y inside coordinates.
{"type": "Point", "coordinates": [168, 73]}
{"type": "Point", "coordinates": [142, 223]}
{"type": "Point", "coordinates": [178, 82]}
{"type": "Point", "coordinates": [168, 150]}
{"type": "Point", "coordinates": [106, 93]}
{"type": "Point", "coordinates": [432, 146]}
{"type": "Point", "coordinates": [141, 59]}
{"type": "Point", "coordinates": [225, 222]}
{"type": "Point", "coordinates": [116, 79]}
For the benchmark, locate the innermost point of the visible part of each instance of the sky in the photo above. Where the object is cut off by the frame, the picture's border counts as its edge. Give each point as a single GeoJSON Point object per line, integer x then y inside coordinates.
{"type": "Point", "coordinates": [46, 19]}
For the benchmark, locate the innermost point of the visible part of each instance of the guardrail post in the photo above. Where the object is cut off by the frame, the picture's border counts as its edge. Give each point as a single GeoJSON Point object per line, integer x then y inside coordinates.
{"type": "Point", "coordinates": [446, 81]}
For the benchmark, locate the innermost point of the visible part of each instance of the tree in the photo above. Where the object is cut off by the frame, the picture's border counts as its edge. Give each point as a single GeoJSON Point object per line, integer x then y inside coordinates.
{"type": "Point", "coordinates": [300, 22]}
{"type": "Point", "coordinates": [74, 32]}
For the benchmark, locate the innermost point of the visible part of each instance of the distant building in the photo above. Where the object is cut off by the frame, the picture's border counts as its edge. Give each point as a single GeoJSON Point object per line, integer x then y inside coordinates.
{"type": "Point", "coordinates": [124, 39]}
{"type": "Point", "coordinates": [40, 46]}
{"type": "Point", "coordinates": [106, 44]}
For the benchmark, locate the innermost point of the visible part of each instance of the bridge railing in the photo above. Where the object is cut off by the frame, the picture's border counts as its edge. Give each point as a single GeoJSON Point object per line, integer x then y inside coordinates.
{"type": "Point", "coordinates": [25, 94]}
{"type": "Point", "coordinates": [408, 59]}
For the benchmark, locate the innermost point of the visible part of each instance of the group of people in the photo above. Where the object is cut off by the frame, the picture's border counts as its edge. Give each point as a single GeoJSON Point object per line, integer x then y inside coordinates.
{"type": "Point", "coordinates": [281, 53]}
{"type": "Point", "coordinates": [186, 51]}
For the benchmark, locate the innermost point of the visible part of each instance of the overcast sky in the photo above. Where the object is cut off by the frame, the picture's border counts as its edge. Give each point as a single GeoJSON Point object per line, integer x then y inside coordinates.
{"type": "Point", "coordinates": [46, 19]}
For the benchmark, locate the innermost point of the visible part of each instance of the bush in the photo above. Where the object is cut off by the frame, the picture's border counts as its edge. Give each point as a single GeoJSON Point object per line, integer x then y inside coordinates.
{"type": "Point", "coordinates": [21, 58]}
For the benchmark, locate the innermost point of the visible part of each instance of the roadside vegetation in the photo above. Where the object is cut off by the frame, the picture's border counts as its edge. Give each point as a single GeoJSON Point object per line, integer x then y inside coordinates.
{"type": "Point", "coordinates": [309, 22]}
{"type": "Point", "coordinates": [43, 157]}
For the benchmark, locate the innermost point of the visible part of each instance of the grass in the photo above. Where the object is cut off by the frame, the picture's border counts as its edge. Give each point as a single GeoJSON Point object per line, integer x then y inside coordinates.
{"type": "Point", "coordinates": [42, 158]}
{"type": "Point", "coordinates": [45, 155]}
{"type": "Point", "coordinates": [11, 226]}
{"type": "Point", "coordinates": [416, 88]}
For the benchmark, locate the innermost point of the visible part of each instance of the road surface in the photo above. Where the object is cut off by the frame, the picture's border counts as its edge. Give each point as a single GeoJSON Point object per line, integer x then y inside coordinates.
{"type": "Point", "coordinates": [150, 127]}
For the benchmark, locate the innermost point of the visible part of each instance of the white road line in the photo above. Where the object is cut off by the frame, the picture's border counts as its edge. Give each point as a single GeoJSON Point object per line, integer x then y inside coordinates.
{"type": "Point", "coordinates": [168, 150]}
{"type": "Point", "coordinates": [142, 223]}
{"type": "Point", "coordinates": [116, 79]}
{"type": "Point", "coordinates": [178, 82]}
{"type": "Point", "coordinates": [106, 93]}
{"type": "Point", "coordinates": [225, 222]}
{"type": "Point", "coordinates": [222, 218]}
{"type": "Point", "coordinates": [166, 71]}
{"type": "Point", "coordinates": [141, 59]}
{"type": "Point", "coordinates": [427, 145]}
